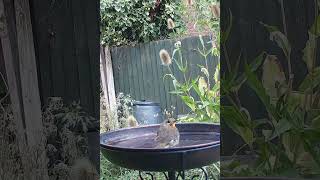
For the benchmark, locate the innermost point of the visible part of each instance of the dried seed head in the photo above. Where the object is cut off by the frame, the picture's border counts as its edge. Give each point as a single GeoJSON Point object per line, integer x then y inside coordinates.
{"type": "Point", "coordinates": [203, 86]}
{"type": "Point", "coordinates": [83, 170]}
{"type": "Point", "coordinates": [215, 9]}
{"type": "Point", "coordinates": [170, 24]}
{"type": "Point", "coordinates": [132, 121]}
{"type": "Point", "coordinates": [273, 76]}
{"type": "Point", "coordinates": [190, 2]}
{"type": "Point", "coordinates": [177, 44]}
{"type": "Point", "coordinates": [165, 57]}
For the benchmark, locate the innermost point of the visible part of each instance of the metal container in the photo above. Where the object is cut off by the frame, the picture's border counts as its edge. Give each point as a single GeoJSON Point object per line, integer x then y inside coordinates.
{"type": "Point", "coordinates": [147, 112]}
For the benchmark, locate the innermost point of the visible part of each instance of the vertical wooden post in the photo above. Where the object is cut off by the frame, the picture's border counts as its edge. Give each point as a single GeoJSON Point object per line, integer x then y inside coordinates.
{"type": "Point", "coordinates": [29, 85]}
{"type": "Point", "coordinates": [110, 80]}
{"type": "Point", "coordinates": [28, 72]}
{"type": "Point", "coordinates": [103, 75]}
{"type": "Point", "coordinates": [107, 82]}
{"type": "Point", "coordinates": [107, 77]}
{"type": "Point", "coordinates": [24, 91]}
{"type": "Point", "coordinates": [13, 86]}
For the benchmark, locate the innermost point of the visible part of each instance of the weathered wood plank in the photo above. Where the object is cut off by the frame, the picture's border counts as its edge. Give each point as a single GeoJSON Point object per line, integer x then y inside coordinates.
{"type": "Point", "coordinates": [155, 67]}
{"type": "Point", "coordinates": [82, 56]}
{"type": "Point", "coordinates": [110, 80]}
{"type": "Point", "coordinates": [91, 11]}
{"type": "Point", "coordinates": [71, 76]}
{"type": "Point", "coordinates": [103, 74]}
{"type": "Point", "coordinates": [23, 83]}
{"type": "Point", "coordinates": [135, 77]}
{"type": "Point", "coordinates": [12, 80]}
{"type": "Point", "coordinates": [28, 73]}
{"type": "Point", "coordinates": [125, 71]}
{"type": "Point", "coordinates": [41, 27]}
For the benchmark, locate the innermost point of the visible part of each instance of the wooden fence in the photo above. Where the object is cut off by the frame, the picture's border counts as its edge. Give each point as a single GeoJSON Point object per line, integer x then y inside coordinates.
{"type": "Point", "coordinates": [50, 49]}
{"type": "Point", "coordinates": [67, 50]}
{"type": "Point", "coordinates": [137, 70]}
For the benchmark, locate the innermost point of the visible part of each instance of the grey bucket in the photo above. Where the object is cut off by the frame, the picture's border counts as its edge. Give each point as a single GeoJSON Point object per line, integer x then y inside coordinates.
{"type": "Point", "coordinates": [147, 112]}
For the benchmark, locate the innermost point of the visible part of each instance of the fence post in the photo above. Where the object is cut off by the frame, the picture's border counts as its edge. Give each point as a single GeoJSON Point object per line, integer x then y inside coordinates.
{"type": "Point", "coordinates": [110, 80]}
{"type": "Point", "coordinates": [107, 81]}
{"type": "Point", "coordinates": [103, 74]}
{"type": "Point", "coordinates": [13, 87]}
{"type": "Point", "coordinates": [24, 91]}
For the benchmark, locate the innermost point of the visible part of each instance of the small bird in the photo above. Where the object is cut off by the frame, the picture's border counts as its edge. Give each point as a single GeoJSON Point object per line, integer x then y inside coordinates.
{"type": "Point", "coordinates": [168, 134]}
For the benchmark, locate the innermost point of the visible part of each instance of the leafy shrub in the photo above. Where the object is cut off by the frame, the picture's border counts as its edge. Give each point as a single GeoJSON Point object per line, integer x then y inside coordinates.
{"type": "Point", "coordinates": [283, 140]}
{"type": "Point", "coordinates": [64, 133]}
{"type": "Point", "coordinates": [202, 14]}
{"type": "Point", "coordinates": [118, 118]}
{"type": "Point", "coordinates": [133, 21]}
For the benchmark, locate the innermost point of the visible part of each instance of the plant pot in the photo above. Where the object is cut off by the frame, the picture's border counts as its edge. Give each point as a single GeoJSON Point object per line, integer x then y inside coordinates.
{"type": "Point", "coordinates": [147, 112]}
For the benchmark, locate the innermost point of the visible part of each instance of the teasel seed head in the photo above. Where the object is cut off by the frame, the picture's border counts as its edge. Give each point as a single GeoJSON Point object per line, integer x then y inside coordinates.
{"type": "Point", "coordinates": [83, 169]}
{"type": "Point", "coordinates": [215, 9]}
{"type": "Point", "coordinates": [190, 2]}
{"type": "Point", "coordinates": [170, 23]}
{"type": "Point", "coordinates": [165, 57]}
{"type": "Point", "coordinates": [202, 84]}
{"type": "Point", "coordinates": [132, 121]}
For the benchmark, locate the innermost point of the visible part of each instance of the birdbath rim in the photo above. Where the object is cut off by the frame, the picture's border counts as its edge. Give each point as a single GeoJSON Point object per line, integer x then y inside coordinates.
{"type": "Point", "coordinates": [207, 129]}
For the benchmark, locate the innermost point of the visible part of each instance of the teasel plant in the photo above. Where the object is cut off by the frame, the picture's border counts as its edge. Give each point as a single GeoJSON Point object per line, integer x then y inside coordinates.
{"type": "Point", "coordinates": [287, 139]}
{"type": "Point", "coordinates": [200, 92]}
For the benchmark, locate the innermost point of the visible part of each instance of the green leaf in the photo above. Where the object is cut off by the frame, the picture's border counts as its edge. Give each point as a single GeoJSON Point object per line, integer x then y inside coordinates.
{"type": "Point", "coordinates": [282, 42]}
{"type": "Point", "coordinates": [316, 122]}
{"type": "Point", "coordinates": [315, 28]}
{"type": "Point", "coordinates": [189, 101]}
{"type": "Point", "coordinates": [277, 36]}
{"type": "Point", "coordinates": [217, 73]}
{"type": "Point", "coordinates": [269, 28]}
{"type": "Point", "coordinates": [281, 127]}
{"type": "Point", "coordinates": [225, 35]}
{"type": "Point", "coordinates": [256, 63]}
{"type": "Point", "coordinates": [309, 52]}
{"type": "Point", "coordinates": [257, 86]}
{"type": "Point", "coordinates": [238, 123]}
{"type": "Point", "coordinates": [311, 81]}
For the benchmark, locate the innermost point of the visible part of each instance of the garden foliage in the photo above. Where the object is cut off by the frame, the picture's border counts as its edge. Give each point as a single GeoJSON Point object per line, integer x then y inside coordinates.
{"type": "Point", "coordinates": [133, 21]}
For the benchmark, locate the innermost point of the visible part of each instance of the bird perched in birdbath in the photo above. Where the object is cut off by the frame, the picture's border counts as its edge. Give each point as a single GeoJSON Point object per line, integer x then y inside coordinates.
{"type": "Point", "coordinates": [168, 134]}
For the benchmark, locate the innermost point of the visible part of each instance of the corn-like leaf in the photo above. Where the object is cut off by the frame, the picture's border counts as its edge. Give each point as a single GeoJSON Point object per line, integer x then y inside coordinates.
{"type": "Point", "coordinates": [225, 35]}
{"type": "Point", "coordinates": [309, 52]}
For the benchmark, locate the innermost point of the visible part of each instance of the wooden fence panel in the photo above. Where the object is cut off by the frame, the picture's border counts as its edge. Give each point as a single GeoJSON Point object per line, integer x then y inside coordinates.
{"type": "Point", "coordinates": [67, 50]}
{"type": "Point", "coordinates": [138, 70]}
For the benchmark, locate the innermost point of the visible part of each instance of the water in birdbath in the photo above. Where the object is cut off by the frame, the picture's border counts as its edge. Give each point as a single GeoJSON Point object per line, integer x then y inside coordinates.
{"type": "Point", "coordinates": [147, 141]}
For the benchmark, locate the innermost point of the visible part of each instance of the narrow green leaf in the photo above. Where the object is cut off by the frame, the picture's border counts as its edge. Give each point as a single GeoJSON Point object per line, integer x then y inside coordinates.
{"type": "Point", "coordinates": [311, 81]}
{"type": "Point", "coordinates": [257, 86]}
{"type": "Point", "coordinates": [225, 35]}
{"type": "Point", "coordinates": [238, 123]}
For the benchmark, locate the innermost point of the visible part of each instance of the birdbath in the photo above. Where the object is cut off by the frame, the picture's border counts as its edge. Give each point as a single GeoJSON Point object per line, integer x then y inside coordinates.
{"type": "Point", "coordinates": [134, 148]}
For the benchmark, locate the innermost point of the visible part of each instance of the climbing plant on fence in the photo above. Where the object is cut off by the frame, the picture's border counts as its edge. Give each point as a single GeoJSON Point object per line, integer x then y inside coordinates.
{"type": "Point", "coordinates": [132, 21]}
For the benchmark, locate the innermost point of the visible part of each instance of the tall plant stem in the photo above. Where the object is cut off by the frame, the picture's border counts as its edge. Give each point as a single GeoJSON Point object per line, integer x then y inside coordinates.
{"type": "Point", "coordinates": [207, 66]}
{"type": "Point", "coordinates": [316, 12]}
{"type": "Point", "coordinates": [284, 23]}
{"type": "Point", "coordinates": [227, 57]}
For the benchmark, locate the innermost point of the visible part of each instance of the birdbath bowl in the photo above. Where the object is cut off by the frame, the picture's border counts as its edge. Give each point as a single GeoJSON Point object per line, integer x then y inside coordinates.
{"type": "Point", "coordinates": [134, 148]}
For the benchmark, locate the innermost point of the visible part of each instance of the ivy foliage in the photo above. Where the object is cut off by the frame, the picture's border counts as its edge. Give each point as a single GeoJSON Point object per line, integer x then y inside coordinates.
{"type": "Point", "coordinates": [126, 22]}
